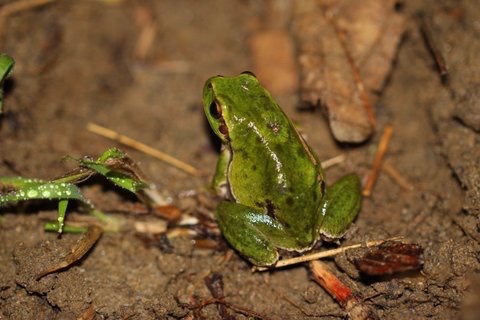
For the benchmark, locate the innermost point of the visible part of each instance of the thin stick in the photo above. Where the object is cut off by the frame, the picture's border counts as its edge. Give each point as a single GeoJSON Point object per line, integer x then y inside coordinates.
{"type": "Point", "coordinates": [377, 162]}
{"type": "Point", "coordinates": [132, 143]}
{"type": "Point", "coordinates": [355, 308]}
{"type": "Point", "coordinates": [397, 176]}
{"type": "Point", "coordinates": [333, 161]}
{"type": "Point", "coordinates": [324, 254]}
{"type": "Point", "coordinates": [21, 5]}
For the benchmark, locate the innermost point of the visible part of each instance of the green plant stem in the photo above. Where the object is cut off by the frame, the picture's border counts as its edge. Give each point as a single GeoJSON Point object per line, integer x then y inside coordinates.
{"type": "Point", "coordinates": [53, 227]}
{"type": "Point", "coordinates": [73, 178]}
{"type": "Point", "coordinates": [110, 223]}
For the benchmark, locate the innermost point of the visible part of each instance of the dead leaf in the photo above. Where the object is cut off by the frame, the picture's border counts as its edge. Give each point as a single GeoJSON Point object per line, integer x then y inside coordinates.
{"type": "Point", "coordinates": [391, 257]}
{"type": "Point", "coordinates": [83, 245]}
{"type": "Point", "coordinates": [346, 50]}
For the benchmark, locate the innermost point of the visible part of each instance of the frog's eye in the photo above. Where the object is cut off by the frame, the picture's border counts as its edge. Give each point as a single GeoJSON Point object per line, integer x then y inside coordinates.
{"type": "Point", "coordinates": [215, 110]}
{"type": "Point", "coordinates": [249, 73]}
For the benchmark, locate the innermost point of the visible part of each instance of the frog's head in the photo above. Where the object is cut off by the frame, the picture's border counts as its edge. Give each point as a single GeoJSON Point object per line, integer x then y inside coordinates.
{"type": "Point", "coordinates": [225, 101]}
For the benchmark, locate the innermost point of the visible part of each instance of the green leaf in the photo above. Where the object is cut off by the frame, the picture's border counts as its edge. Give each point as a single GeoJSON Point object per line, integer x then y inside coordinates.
{"type": "Point", "coordinates": [6, 66]}
{"type": "Point", "coordinates": [112, 153]}
{"type": "Point", "coordinates": [29, 189]}
{"type": "Point", "coordinates": [54, 226]}
{"type": "Point", "coordinates": [20, 182]}
{"type": "Point", "coordinates": [115, 165]}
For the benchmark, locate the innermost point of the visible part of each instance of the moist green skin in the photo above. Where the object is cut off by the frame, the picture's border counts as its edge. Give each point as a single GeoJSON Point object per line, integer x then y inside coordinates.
{"type": "Point", "coordinates": [272, 182]}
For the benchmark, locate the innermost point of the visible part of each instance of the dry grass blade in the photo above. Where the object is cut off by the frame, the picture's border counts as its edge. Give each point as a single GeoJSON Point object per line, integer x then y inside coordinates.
{"type": "Point", "coordinates": [377, 162]}
{"type": "Point", "coordinates": [132, 143]}
{"type": "Point", "coordinates": [333, 161]}
{"type": "Point", "coordinates": [83, 245]}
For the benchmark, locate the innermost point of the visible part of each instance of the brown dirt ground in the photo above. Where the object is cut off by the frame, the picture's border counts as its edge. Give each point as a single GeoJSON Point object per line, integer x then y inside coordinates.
{"type": "Point", "coordinates": [75, 65]}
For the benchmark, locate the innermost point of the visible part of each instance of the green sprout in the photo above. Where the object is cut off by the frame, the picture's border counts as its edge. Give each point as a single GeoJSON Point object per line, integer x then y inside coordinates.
{"type": "Point", "coordinates": [113, 164]}
{"type": "Point", "coordinates": [6, 66]}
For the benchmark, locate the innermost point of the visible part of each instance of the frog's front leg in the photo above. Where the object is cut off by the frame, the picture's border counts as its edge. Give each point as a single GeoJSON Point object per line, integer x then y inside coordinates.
{"type": "Point", "coordinates": [340, 206]}
{"type": "Point", "coordinates": [254, 234]}
{"type": "Point", "coordinates": [219, 182]}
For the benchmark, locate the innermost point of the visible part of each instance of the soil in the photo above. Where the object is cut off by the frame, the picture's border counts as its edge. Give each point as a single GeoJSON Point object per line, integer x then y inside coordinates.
{"type": "Point", "coordinates": [76, 63]}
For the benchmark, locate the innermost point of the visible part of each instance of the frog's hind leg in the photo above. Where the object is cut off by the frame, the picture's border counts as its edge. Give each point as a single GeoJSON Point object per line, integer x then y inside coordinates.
{"type": "Point", "coordinates": [254, 234]}
{"type": "Point", "coordinates": [340, 206]}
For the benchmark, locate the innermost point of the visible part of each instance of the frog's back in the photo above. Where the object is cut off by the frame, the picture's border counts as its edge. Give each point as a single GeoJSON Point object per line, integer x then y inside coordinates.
{"type": "Point", "coordinates": [272, 168]}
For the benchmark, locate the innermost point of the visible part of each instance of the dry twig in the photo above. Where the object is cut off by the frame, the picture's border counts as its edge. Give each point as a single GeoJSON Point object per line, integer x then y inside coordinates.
{"type": "Point", "coordinates": [353, 304]}
{"type": "Point", "coordinates": [333, 161]}
{"type": "Point", "coordinates": [377, 162]}
{"type": "Point", "coordinates": [324, 254]}
{"type": "Point", "coordinates": [397, 176]}
{"type": "Point", "coordinates": [132, 143]}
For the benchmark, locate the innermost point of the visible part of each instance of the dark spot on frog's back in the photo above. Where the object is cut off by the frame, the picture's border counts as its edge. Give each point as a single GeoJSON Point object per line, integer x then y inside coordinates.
{"type": "Point", "coordinates": [270, 208]}
{"type": "Point", "coordinates": [254, 167]}
{"type": "Point", "coordinates": [275, 127]}
{"type": "Point", "coordinates": [289, 201]}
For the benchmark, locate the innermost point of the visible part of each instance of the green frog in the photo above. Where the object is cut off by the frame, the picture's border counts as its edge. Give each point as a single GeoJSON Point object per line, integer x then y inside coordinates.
{"type": "Point", "coordinates": [273, 185]}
